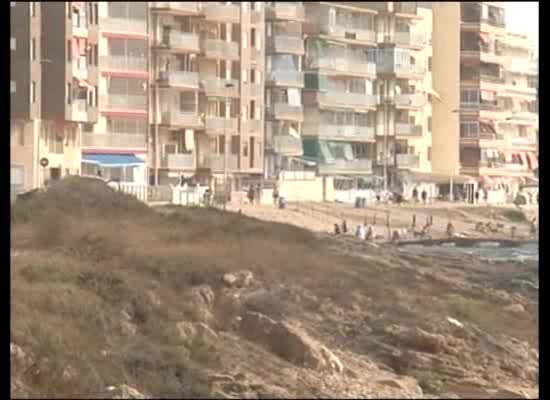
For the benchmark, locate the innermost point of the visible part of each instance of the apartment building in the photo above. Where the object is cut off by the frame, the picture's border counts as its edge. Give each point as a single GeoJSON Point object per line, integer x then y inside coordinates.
{"type": "Point", "coordinates": [207, 96]}
{"type": "Point", "coordinates": [116, 147]}
{"type": "Point", "coordinates": [56, 61]}
{"type": "Point", "coordinates": [284, 83]}
{"type": "Point", "coordinates": [25, 99]}
{"type": "Point", "coordinates": [486, 120]}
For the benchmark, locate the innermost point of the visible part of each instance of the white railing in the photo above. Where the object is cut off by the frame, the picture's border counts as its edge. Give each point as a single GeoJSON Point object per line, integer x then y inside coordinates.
{"type": "Point", "coordinates": [288, 11]}
{"type": "Point", "coordinates": [348, 99]}
{"type": "Point", "coordinates": [288, 112]}
{"type": "Point", "coordinates": [218, 87]}
{"type": "Point", "coordinates": [220, 12]}
{"type": "Point", "coordinates": [286, 44]}
{"type": "Point", "coordinates": [114, 140]}
{"type": "Point", "coordinates": [178, 118]}
{"type": "Point", "coordinates": [410, 100]}
{"type": "Point", "coordinates": [220, 124]}
{"type": "Point", "coordinates": [180, 78]}
{"type": "Point", "coordinates": [123, 25]}
{"type": "Point", "coordinates": [402, 129]}
{"type": "Point", "coordinates": [339, 131]}
{"type": "Point", "coordinates": [183, 40]}
{"type": "Point", "coordinates": [123, 63]}
{"type": "Point", "coordinates": [286, 78]}
{"type": "Point", "coordinates": [344, 64]}
{"type": "Point", "coordinates": [409, 39]}
{"type": "Point", "coordinates": [407, 160]}
{"type": "Point", "coordinates": [124, 102]}
{"type": "Point", "coordinates": [343, 31]}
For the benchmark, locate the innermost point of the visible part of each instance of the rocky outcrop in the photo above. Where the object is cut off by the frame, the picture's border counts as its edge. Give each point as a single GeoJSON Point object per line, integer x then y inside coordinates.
{"type": "Point", "coordinates": [193, 332]}
{"type": "Point", "coordinates": [124, 392]}
{"type": "Point", "coordinates": [200, 301]}
{"type": "Point", "coordinates": [239, 279]}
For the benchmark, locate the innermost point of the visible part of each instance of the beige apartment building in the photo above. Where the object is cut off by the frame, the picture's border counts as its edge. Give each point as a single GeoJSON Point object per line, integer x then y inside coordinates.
{"type": "Point", "coordinates": [53, 89]}
{"type": "Point", "coordinates": [486, 123]}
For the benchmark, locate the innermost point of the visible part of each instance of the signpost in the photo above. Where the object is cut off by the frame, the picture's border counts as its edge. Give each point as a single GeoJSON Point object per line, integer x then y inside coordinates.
{"type": "Point", "coordinates": [44, 162]}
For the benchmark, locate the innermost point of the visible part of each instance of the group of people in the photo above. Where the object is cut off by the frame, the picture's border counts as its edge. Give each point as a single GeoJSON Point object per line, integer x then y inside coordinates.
{"type": "Point", "coordinates": [423, 195]}
{"type": "Point", "coordinates": [363, 232]}
{"type": "Point", "coordinates": [254, 193]}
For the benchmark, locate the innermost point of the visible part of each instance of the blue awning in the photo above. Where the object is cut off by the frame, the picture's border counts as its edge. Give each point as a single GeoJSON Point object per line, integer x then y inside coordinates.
{"type": "Point", "coordinates": [112, 160]}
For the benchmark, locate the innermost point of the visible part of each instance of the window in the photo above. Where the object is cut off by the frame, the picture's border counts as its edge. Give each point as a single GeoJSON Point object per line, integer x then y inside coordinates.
{"type": "Point", "coordinates": [33, 92]}
{"type": "Point", "coordinates": [469, 129]}
{"type": "Point", "coordinates": [69, 51]}
{"type": "Point", "coordinates": [429, 154]}
{"type": "Point", "coordinates": [221, 145]}
{"type": "Point", "coordinates": [257, 5]}
{"type": "Point", "coordinates": [430, 64]}
{"type": "Point", "coordinates": [12, 87]}
{"type": "Point", "coordinates": [469, 97]}
{"type": "Point", "coordinates": [33, 49]}
{"type": "Point", "coordinates": [129, 126]}
{"type": "Point", "coordinates": [245, 75]}
{"type": "Point", "coordinates": [252, 109]}
{"type": "Point", "coordinates": [245, 149]}
{"type": "Point", "coordinates": [33, 9]}
{"type": "Point", "coordinates": [96, 13]}
{"type": "Point", "coordinates": [429, 124]}
{"type": "Point", "coordinates": [235, 141]}
{"type": "Point", "coordinates": [245, 7]}
{"type": "Point", "coordinates": [17, 175]}
{"type": "Point", "coordinates": [69, 93]}
{"type": "Point", "coordinates": [13, 43]}
{"type": "Point", "coordinates": [253, 38]}
{"type": "Point", "coordinates": [69, 10]}
{"type": "Point", "coordinates": [96, 103]}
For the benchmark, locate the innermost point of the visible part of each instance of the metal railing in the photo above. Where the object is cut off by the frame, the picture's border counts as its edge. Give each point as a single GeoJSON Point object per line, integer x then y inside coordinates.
{"type": "Point", "coordinates": [179, 118]}
{"type": "Point", "coordinates": [181, 40]}
{"type": "Point", "coordinates": [287, 112]}
{"type": "Point", "coordinates": [124, 25]}
{"type": "Point", "coordinates": [216, 87]}
{"type": "Point", "coordinates": [345, 64]}
{"type": "Point", "coordinates": [123, 102]}
{"type": "Point", "coordinates": [286, 78]}
{"type": "Point", "coordinates": [220, 49]}
{"type": "Point", "coordinates": [123, 63]}
{"type": "Point", "coordinates": [114, 140]}
{"type": "Point", "coordinates": [178, 161]}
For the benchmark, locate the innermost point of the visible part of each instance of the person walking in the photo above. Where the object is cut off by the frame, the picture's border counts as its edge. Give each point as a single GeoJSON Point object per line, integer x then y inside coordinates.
{"type": "Point", "coordinates": [477, 197]}
{"type": "Point", "coordinates": [275, 196]}
{"type": "Point", "coordinates": [415, 195]}
{"type": "Point", "coordinates": [250, 194]}
{"type": "Point", "coordinates": [424, 196]}
{"type": "Point", "coordinates": [344, 227]}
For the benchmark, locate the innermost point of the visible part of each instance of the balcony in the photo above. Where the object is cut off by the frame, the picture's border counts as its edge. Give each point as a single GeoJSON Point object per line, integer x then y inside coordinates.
{"type": "Point", "coordinates": [177, 41]}
{"type": "Point", "coordinates": [252, 125]}
{"type": "Point", "coordinates": [253, 89]}
{"type": "Point", "coordinates": [217, 162]}
{"type": "Point", "coordinates": [216, 87]}
{"type": "Point", "coordinates": [286, 112]}
{"type": "Point", "coordinates": [287, 145]}
{"type": "Point", "coordinates": [341, 31]}
{"type": "Point", "coordinates": [80, 72]}
{"type": "Point", "coordinates": [285, 78]}
{"type": "Point", "coordinates": [124, 26]}
{"type": "Point", "coordinates": [405, 7]}
{"type": "Point", "coordinates": [114, 140]}
{"type": "Point", "coordinates": [291, 11]}
{"type": "Point", "coordinates": [220, 126]}
{"type": "Point", "coordinates": [124, 102]}
{"type": "Point", "coordinates": [177, 7]}
{"type": "Point", "coordinates": [339, 132]}
{"type": "Point", "coordinates": [408, 39]}
{"type": "Point", "coordinates": [346, 99]}
{"type": "Point", "coordinates": [80, 31]}
{"type": "Point", "coordinates": [181, 119]}
{"type": "Point", "coordinates": [346, 166]}
{"type": "Point", "coordinates": [489, 78]}
{"type": "Point", "coordinates": [410, 100]}
{"type": "Point", "coordinates": [401, 70]}
{"type": "Point", "coordinates": [178, 161]}
{"type": "Point", "coordinates": [184, 79]}
{"type": "Point", "coordinates": [220, 12]}
{"type": "Point", "coordinates": [122, 63]}
{"type": "Point", "coordinates": [407, 160]}
{"type": "Point", "coordinates": [285, 44]}
{"type": "Point", "coordinates": [79, 110]}
{"type": "Point", "coordinates": [344, 65]}
{"type": "Point", "coordinates": [481, 140]}
{"type": "Point", "coordinates": [220, 49]}
{"type": "Point", "coordinates": [408, 130]}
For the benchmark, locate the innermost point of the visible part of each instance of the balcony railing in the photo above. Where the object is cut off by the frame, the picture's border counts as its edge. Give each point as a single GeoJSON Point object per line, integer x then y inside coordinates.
{"type": "Point", "coordinates": [122, 63]}
{"type": "Point", "coordinates": [253, 89]}
{"type": "Point", "coordinates": [190, 7]}
{"type": "Point", "coordinates": [384, 67]}
{"type": "Point", "coordinates": [405, 7]}
{"type": "Point", "coordinates": [287, 112]}
{"type": "Point", "coordinates": [402, 129]}
{"type": "Point", "coordinates": [177, 40]}
{"type": "Point", "coordinates": [216, 87]}
{"type": "Point", "coordinates": [220, 49]}
{"type": "Point", "coordinates": [345, 65]}
{"type": "Point", "coordinates": [347, 99]}
{"type": "Point", "coordinates": [287, 145]}
{"type": "Point", "coordinates": [409, 39]}
{"type": "Point", "coordinates": [407, 160]}
{"type": "Point", "coordinates": [124, 25]}
{"type": "Point", "coordinates": [219, 125]}
{"type": "Point", "coordinates": [114, 140]}
{"type": "Point", "coordinates": [362, 34]}
{"type": "Point", "coordinates": [357, 165]}
{"type": "Point", "coordinates": [179, 118]}
{"type": "Point", "coordinates": [79, 110]}
{"type": "Point", "coordinates": [286, 78]}
{"type": "Point", "coordinates": [123, 102]}
{"type": "Point", "coordinates": [410, 100]}
{"type": "Point", "coordinates": [285, 44]}
{"type": "Point", "coordinates": [178, 161]}
{"type": "Point", "coordinates": [333, 131]}
{"type": "Point", "coordinates": [180, 78]}
{"type": "Point", "coordinates": [524, 142]}
{"type": "Point", "coordinates": [252, 125]}
{"type": "Point", "coordinates": [220, 12]}
{"type": "Point", "coordinates": [217, 162]}
{"type": "Point", "coordinates": [491, 78]}
{"type": "Point", "coordinates": [285, 11]}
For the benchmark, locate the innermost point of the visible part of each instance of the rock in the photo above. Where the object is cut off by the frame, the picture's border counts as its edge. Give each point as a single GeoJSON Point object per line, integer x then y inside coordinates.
{"type": "Point", "coordinates": [124, 392]}
{"type": "Point", "coordinates": [128, 328]}
{"type": "Point", "coordinates": [238, 279]}
{"type": "Point", "coordinates": [406, 384]}
{"type": "Point", "coordinates": [154, 299]}
{"type": "Point", "coordinates": [193, 332]}
{"type": "Point", "coordinates": [515, 309]}
{"type": "Point", "coordinates": [18, 358]}
{"type": "Point", "coordinates": [204, 295]}
{"type": "Point", "coordinates": [69, 374]}
{"type": "Point", "coordinates": [200, 301]}
{"type": "Point", "coordinates": [257, 327]}
{"type": "Point", "coordinates": [333, 361]}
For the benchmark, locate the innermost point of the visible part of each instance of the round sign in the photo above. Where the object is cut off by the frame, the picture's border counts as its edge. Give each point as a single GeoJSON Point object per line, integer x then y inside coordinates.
{"type": "Point", "coordinates": [44, 162]}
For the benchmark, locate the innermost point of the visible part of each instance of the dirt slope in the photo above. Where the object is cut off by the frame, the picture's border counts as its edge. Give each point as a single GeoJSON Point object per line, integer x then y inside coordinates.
{"type": "Point", "coordinates": [112, 299]}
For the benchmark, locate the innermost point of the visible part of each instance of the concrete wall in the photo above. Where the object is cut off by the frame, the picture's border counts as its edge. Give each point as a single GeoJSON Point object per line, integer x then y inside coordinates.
{"type": "Point", "coordinates": [318, 189]}
{"type": "Point", "coordinates": [23, 150]}
{"type": "Point", "coordinates": [446, 81]}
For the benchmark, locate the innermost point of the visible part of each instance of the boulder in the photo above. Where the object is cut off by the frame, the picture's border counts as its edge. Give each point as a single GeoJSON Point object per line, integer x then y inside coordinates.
{"type": "Point", "coordinates": [200, 301]}
{"type": "Point", "coordinates": [193, 332]}
{"type": "Point", "coordinates": [239, 279]}
{"type": "Point", "coordinates": [127, 328]}
{"type": "Point", "coordinates": [257, 327]}
{"type": "Point", "coordinates": [405, 384]}
{"type": "Point", "coordinates": [515, 309]}
{"type": "Point", "coordinates": [124, 392]}
{"type": "Point", "coordinates": [18, 358]}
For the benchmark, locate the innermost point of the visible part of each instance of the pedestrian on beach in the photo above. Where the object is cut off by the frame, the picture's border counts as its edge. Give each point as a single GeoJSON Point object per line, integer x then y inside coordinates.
{"type": "Point", "coordinates": [251, 194]}
{"type": "Point", "coordinates": [344, 227]}
{"type": "Point", "coordinates": [424, 196]}
{"type": "Point", "coordinates": [336, 229]}
{"type": "Point", "coordinates": [275, 196]}
{"type": "Point", "coordinates": [258, 194]}
{"type": "Point", "coordinates": [477, 197]}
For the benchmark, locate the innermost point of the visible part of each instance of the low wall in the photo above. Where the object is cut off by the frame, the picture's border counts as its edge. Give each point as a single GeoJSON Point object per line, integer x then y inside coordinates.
{"type": "Point", "coordinates": [317, 189]}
